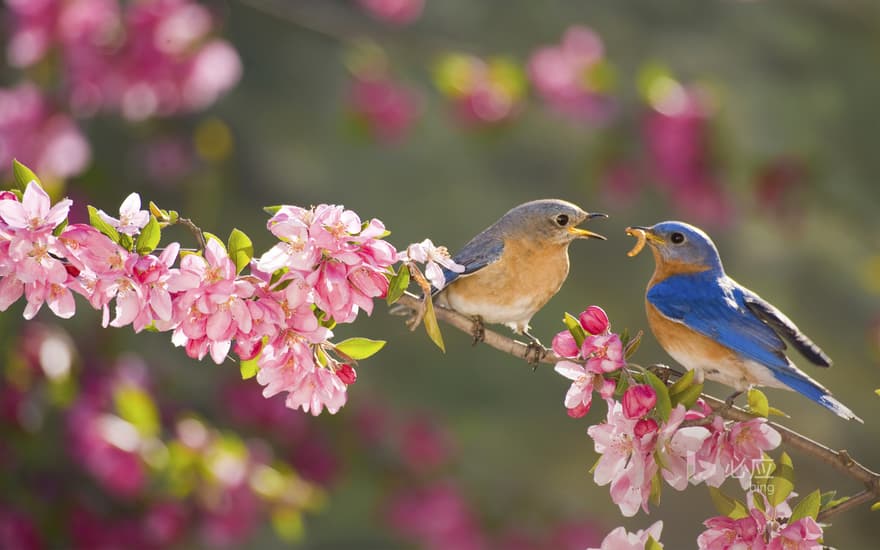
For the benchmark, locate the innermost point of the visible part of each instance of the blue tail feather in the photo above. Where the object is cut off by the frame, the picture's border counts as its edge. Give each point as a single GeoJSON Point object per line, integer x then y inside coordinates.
{"type": "Point", "coordinates": [811, 389]}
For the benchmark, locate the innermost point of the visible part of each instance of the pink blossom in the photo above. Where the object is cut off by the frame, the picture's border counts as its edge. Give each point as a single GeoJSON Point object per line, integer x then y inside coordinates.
{"type": "Point", "coordinates": [620, 539]}
{"type": "Point", "coordinates": [212, 308]}
{"type": "Point", "coordinates": [726, 533]}
{"type": "Point", "coordinates": [131, 218]}
{"type": "Point", "coordinates": [569, 76]}
{"type": "Point", "coordinates": [804, 534]}
{"type": "Point", "coordinates": [594, 320]}
{"type": "Point", "coordinates": [733, 449]}
{"type": "Point", "coordinates": [315, 389]}
{"type": "Point", "coordinates": [435, 258]}
{"type": "Point", "coordinates": [580, 394]}
{"type": "Point", "coordinates": [622, 462]}
{"type": "Point", "coordinates": [35, 212]}
{"type": "Point", "coordinates": [483, 92]}
{"type": "Point", "coordinates": [675, 448]}
{"type": "Point", "coordinates": [604, 352]}
{"type": "Point", "coordinates": [396, 12]}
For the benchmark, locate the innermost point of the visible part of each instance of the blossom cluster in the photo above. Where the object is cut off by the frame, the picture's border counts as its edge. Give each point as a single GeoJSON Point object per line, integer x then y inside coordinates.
{"type": "Point", "coordinates": [763, 527]}
{"type": "Point", "coordinates": [277, 317]}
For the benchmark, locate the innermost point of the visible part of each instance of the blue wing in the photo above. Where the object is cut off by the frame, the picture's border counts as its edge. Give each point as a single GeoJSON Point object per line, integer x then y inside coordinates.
{"type": "Point", "coordinates": [715, 306]}
{"type": "Point", "coordinates": [482, 250]}
{"type": "Point", "coordinates": [721, 309]}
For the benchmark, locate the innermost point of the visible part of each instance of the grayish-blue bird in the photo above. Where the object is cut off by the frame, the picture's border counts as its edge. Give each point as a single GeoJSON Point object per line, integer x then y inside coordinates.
{"type": "Point", "coordinates": [517, 264]}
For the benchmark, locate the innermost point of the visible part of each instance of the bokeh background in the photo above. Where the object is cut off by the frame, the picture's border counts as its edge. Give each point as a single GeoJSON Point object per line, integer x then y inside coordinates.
{"type": "Point", "coordinates": [755, 120]}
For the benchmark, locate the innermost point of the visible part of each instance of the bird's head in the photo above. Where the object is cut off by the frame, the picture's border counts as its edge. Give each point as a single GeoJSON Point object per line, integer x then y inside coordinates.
{"type": "Point", "coordinates": [680, 244]}
{"type": "Point", "coordinates": [552, 221]}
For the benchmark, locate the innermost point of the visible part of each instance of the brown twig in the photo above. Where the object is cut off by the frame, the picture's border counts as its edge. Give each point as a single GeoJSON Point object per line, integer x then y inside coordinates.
{"type": "Point", "coordinates": [839, 460]}
{"type": "Point", "coordinates": [195, 230]}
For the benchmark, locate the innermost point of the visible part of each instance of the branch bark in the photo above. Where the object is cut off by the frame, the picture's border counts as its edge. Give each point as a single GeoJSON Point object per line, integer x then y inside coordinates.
{"type": "Point", "coordinates": [839, 460]}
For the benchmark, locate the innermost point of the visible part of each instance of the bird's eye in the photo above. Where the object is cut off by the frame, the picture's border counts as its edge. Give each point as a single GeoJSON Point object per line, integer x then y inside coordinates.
{"type": "Point", "coordinates": [676, 238]}
{"type": "Point", "coordinates": [562, 219]}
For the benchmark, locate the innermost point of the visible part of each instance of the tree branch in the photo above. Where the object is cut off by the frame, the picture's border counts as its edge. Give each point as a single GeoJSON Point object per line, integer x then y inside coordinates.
{"type": "Point", "coordinates": [839, 460]}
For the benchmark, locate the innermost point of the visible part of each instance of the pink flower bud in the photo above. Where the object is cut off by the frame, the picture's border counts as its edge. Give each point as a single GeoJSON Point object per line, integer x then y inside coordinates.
{"type": "Point", "coordinates": [347, 374]}
{"type": "Point", "coordinates": [644, 427]}
{"type": "Point", "coordinates": [579, 411]}
{"type": "Point", "coordinates": [7, 196]}
{"type": "Point", "coordinates": [564, 345]}
{"type": "Point", "coordinates": [639, 400]}
{"type": "Point", "coordinates": [594, 320]}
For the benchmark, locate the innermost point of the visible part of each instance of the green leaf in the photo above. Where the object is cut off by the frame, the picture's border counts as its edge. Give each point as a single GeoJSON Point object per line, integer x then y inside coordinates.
{"type": "Point", "coordinates": [360, 348]}
{"type": "Point", "coordinates": [782, 483]}
{"type": "Point", "coordinates": [652, 544]}
{"type": "Point", "coordinates": [632, 346]}
{"type": "Point", "coordinates": [777, 412]}
{"type": "Point", "coordinates": [875, 506]}
{"type": "Point", "coordinates": [877, 391]}
{"type": "Point", "coordinates": [682, 383]}
{"type": "Point", "coordinates": [808, 506]}
{"type": "Point", "coordinates": [687, 398]}
{"type": "Point", "coordinates": [664, 403]}
{"type": "Point", "coordinates": [59, 229]}
{"type": "Point", "coordinates": [102, 226]}
{"type": "Point", "coordinates": [575, 328]}
{"type": "Point", "coordinates": [288, 524]}
{"type": "Point", "coordinates": [398, 285]}
{"type": "Point", "coordinates": [241, 249]}
{"type": "Point", "coordinates": [272, 209]}
{"type": "Point", "coordinates": [431, 326]}
{"type": "Point", "coordinates": [249, 368]}
{"type": "Point", "coordinates": [126, 242]}
{"type": "Point", "coordinates": [149, 237]}
{"type": "Point", "coordinates": [136, 406]}
{"type": "Point", "coordinates": [758, 403]}
{"type": "Point", "coordinates": [828, 500]}
{"type": "Point", "coordinates": [656, 489]}
{"type": "Point", "coordinates": [23, 175]}
{"type": "Point", "coordinates": [727, 506]}
{"type": "Point", "coordinates": [158, 212]}
{"type": "Point", "coordinates": [215, 237]}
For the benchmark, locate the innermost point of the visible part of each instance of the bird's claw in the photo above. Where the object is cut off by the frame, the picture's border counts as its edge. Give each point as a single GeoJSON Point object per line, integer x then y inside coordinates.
{"type": "Point", "coordinates": [731, 399]}
{"type": "Point", "coordinates": [535, 352]}
{"type": "Point", "coordinates": [478, 330]}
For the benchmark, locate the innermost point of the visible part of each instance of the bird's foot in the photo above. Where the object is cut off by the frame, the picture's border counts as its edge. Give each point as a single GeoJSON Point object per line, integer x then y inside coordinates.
{"type": "Point", "coordinates": [731, 399]}
{"type": "Point", "coordinates": [415, 314]}
{"type": "Point", "coordinates": [535, 352]}
{"type": "Point", "coordinates": [478, 330]}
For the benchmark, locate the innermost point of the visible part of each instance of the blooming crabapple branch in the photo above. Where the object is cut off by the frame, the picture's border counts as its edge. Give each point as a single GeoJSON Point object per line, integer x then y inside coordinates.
{"type": "Point", "coordinates": [840, 460]}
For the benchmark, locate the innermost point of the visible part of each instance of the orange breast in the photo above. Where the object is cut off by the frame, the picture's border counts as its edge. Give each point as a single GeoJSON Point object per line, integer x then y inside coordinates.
{"type": "Point", "coordinates": [515, 287]}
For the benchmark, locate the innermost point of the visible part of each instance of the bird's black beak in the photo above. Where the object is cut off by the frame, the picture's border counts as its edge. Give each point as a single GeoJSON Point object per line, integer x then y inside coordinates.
{"type": "Point", "coordinates": [585, 233]}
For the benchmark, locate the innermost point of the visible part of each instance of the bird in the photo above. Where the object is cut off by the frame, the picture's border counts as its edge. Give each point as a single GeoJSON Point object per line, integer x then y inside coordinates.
{"type": "Point", "coordinates": [723, 331]}
{"type": "Point", "coordinates": [513, 267]}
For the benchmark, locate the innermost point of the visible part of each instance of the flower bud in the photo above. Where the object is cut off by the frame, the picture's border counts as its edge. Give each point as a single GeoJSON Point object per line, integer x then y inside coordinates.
{"type": "Point", "coordinates": [644, 427]}
{"type": "Point", "coordinates": [564, 345]}
{"type": "Point", "coordinates": [347, 374]}
{"type": "Point", "coordinates": [638, 400]}
{"type": "Point", "coordinates": [594, 320]}
{"type": "Point", "coordinates": [579, 411]}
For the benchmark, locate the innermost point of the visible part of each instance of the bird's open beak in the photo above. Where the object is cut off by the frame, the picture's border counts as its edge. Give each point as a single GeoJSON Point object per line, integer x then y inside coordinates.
{"type": "Point", "coordinates": [643, 235]}
{"type": "Point", "coordinates": [650, 236]}
{"type": "Point", "coordinates": [585, 233]}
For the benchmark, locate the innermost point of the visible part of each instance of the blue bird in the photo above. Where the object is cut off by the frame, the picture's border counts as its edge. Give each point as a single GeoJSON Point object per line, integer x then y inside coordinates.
{"type": "Point", "coordinates": [514, 267]}
{"type": "Point", "coordinates": [711, 324]}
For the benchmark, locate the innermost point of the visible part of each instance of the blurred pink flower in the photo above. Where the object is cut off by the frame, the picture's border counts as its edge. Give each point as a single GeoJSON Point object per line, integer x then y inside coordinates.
{"type": "Point", "coordinates": [620, 539]}
{"type": "Point", "coordinates": [483, 92]}
{"type": "Point", "coordinates": [572, 77]}
{"type": "Point", "coordinates": [436, 517]}
{"type": "Point", "coordinates": [387, 109]}
{"type": "Point", "coordinates": [424, 446]}
{"type": "Point", "coordinates": [35, 133]}
{"type": "Point", "coordinates": [395, 12]}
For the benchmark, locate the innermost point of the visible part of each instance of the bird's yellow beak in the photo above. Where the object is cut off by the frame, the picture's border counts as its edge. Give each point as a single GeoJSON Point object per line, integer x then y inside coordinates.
{"type": "Point", "coordinates": [643, 235]}
{"type": "Point", "coordinates": [580, 233]}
